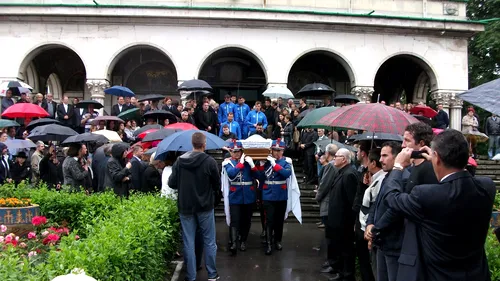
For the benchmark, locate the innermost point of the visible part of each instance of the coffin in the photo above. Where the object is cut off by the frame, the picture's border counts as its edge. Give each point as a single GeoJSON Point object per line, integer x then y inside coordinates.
{"type": "Point", "coordinates": [257, 147]}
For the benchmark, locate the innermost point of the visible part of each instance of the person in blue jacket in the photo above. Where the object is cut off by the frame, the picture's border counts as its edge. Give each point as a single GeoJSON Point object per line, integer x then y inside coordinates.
{"type": "Point", "coordinates": [241, 172]}
{"type": "Point", "coordinates": [255, 117]}
{"type": "Point", "coordinates": [241, 111]}
{"type": "Point", "coordinates": [225, 108]}
{"type": "Point", "coordinates": [233, 126]}
{"type": "Point", "coordinates": [276, 171]}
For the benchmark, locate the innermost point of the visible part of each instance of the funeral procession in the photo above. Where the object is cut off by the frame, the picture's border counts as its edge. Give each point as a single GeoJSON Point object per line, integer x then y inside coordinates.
{"type": "Point", "coordinates": [250, 140]}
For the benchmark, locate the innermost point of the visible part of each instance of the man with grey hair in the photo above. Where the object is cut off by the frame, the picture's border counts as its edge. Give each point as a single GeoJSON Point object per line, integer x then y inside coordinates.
{"type": "Point", "coordinates": [340, 224]}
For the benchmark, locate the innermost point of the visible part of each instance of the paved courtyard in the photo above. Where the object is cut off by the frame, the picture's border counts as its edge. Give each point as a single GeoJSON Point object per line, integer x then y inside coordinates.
{"type": "Point", "coordinates": [300, 259]}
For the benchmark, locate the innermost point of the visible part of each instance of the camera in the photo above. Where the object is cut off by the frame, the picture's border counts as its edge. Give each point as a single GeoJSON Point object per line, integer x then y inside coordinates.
{"type": "Point", "coordinates": [417, 155]}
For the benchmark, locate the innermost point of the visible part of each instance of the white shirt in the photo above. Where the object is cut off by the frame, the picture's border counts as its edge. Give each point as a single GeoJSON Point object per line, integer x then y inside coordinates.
{"type": "Point", "coordinates": [120, 108]}
{"type": "Point", "coordinates": [370, 195]}
{"type": "Point", "coordinates": [166, 191]}
{"type": "Point", "coordinates": [447, 176]}
{"type": "Point", "coordinates": [65, 108]}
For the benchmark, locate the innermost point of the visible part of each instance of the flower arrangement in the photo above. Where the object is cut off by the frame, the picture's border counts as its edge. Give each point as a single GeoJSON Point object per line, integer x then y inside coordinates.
{"type": "Point", "coordinates": [46, 237]}
{"type": "Point", "coordinates": [14, 202]}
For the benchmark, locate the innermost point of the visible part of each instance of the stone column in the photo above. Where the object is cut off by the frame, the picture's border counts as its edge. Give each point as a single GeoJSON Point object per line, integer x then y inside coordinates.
{"type": "Point", "coordinates": [96, 89]}
{"type": "Point", "coordinates": [363, 93]}
{"type": "Point", "coordinates": [456, 105]}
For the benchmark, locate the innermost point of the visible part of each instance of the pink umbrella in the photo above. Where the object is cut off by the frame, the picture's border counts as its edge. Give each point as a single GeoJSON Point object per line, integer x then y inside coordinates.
{"type": "Point", "coordinates": [437, 131]}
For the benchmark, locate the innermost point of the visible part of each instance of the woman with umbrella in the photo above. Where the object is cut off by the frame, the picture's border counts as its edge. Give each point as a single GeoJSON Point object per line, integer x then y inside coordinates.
{"type": "Point", "coordinates": [74, 173]}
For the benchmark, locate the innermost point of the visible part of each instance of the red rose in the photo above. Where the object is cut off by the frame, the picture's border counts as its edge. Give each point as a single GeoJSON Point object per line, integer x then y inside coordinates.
{"type": "Point", "coordinates": [39, 220]}
{"type": "Point", "coordinates": [51, 238]}
{"type": "Point", "coordinates": [63, 230]}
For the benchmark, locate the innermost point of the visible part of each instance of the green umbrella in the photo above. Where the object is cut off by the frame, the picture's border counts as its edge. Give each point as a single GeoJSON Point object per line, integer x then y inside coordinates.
{"type": "Point", "coordinates": [312, 117]}
{"type": "Point", "coordinates": [129, 114]}
{"type": "Point", "coordinates": [8, 123]}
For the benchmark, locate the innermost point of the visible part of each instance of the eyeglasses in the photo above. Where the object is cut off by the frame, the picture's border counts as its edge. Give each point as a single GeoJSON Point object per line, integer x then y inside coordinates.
{"type": "Point", "coordinates": [336, 156]}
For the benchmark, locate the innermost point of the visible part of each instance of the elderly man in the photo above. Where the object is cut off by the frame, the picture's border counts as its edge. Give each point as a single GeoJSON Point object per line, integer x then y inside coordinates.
{"type": "Point", "coordinates": [340, 224]}
{"type": "Point", "coordinates": [50, 105]}
{"type": "Point", "coordinates": [65, 112]}
{"type": "Point", "coordinates": [7, 101]}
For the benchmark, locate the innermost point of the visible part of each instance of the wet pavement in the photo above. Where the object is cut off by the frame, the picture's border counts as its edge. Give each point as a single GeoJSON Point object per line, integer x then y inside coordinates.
{"type": "Point", "coordinates": [300, 260]}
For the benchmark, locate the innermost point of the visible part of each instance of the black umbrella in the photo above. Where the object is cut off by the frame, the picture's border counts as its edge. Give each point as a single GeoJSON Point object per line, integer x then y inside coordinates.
{"type": "Point", "coordinates": [485, 96]}
{"type": "Point", "coordinates": [160, 115]}
{"type": "Point", "coordinates": [194, 85]}
{"type": "Point", "coordinates": [159, 135]}
{"type": "Point", "coordinates": [424, 119]}
{"type": "Point", "coordinates": [40, 122]}
{"type": "Point", "coordinates": [197, 94]}
{"type": "Point", "coordinates": [369, 136]}
{"type": "Point", "coordinates": [52, 132]}
{"type": "Point", "coordinates": [315, 89]}
{"type": "Point", "coordinates": [86, 103]}
{"type": "Point", "coordinates": [147, 127]}
{"type": "Point", "coordinates": [152, 97]}
{"type": "Point", "coordinates": [345, 99]}
{"type": "Point", "coordinates": [86, 138]}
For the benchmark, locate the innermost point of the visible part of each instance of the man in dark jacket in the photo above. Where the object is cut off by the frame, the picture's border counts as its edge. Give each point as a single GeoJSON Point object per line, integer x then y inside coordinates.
{"type": "Point", "coordinates": [309, 136]}
{"type": "Point", "coordinates": [440, 217]}
{"type": "Point", "coordinates": [50, 105]}
{"type": "Point", "coordinates": [117, 173]}
{"type": "Point", "coordinates": [138, 167]}
{"type": "Point", "coordinates": [442, 119]}
{"type": "Point", "coordinates": [65, 112]}
{"type": "Point", "coordinates": [206, 120]}
{"type": "Point", "coordinates": [492, 129]}
{"type": "Point", "coordinates": [196, 176]}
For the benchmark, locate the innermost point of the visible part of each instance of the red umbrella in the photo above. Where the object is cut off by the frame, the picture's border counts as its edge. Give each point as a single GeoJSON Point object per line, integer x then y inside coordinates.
{"type": "Point", "coordinates": [423, 110]}
{"type": "Point", "coordinates": [181, 126]}
{"type": "Point", "coordinates": [24, 110]}
{"type": "Point", "coordinates": [372, 117]}
{"type": "Point", "coordinates": [143, 134]}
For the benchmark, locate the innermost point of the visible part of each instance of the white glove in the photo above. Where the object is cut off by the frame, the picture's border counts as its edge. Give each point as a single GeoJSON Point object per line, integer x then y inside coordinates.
{"type": "Point", "coordinates": [250, 162]}
{"type": "Point", "coordinates": [262, 162]}
{"type": "Point", "coordinates": [271, 160]}
{"type": "Point", "coordinates": [242, 158]}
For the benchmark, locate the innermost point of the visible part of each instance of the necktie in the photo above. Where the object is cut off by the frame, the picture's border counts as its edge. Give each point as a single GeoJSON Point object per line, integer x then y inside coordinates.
{"type": "Point", "coordinates": [4, 163]}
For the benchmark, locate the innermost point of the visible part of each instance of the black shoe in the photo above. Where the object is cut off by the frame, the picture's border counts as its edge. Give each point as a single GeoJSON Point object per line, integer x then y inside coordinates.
{"type": "Point", "coordinates": [217, 277]}
{"type": "Point", "coordinates": [243, 246]}
{"type": "Point", "coordinates": [325, 264]}
{"type": "Point", "coordinates": [278, 246]}
{"type": "Point", "coordinates": [328, 269]}
{"type": "Point", "coordinates": [336, 277]}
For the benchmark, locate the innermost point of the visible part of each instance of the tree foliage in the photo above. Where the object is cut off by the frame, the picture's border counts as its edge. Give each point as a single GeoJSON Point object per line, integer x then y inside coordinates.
{"type": "Point", "coordinates": [484, 48]}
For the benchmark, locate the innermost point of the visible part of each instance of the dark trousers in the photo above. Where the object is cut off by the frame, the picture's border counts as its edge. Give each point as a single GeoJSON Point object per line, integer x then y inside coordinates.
{"type": "Point", "coordinates": [363, 256]}
{"type": "Point", "coordinates": [310, 167]}
{"type": "Point", "coordinates": [275, 216]}
{"type": "Point", "coordinates": [341, 253]}
{"type": "Point", "coordinates": [387, 266]}
{"type": "Point", "coordinates": [241, 218]}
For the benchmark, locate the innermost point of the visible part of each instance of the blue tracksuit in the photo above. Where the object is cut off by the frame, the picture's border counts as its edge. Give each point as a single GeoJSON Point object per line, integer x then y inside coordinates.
{"type": "Point", "coordinates": [234, 127]}
{"type": "Point", "coordinates": [253, 118]}
{"type": "Point", "coordinates": [224, 109]}
{"type": "Point", "coordinates": [241, 187]}
{"type": "Point", "coordinates": [275, 187]}
{"type": "Point", "coordinates": [241, 112]}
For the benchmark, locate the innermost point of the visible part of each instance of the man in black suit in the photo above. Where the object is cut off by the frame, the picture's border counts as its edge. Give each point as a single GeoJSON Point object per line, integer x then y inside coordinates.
{"type": "Point", "coordinates": [119, 108]}
{"type": "Point", "coordinates": [442, 118]}
{"type": "Point", "coordinates": [447, 223]}
{"type": "Point", "coordinates": [50, 105]}
{"type": "Point", "coordinates": [5, 175]}
{"type": "Point", "coordinates": [340, 222]}
{"type": "Point", "coordinates": [65, 112]}
{"type": "Point", "coordinates": [137, 167]}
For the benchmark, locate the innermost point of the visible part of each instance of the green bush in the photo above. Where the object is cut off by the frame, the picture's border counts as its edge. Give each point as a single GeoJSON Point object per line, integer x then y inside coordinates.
{"type": "Point", "coordinates": [493, 254]}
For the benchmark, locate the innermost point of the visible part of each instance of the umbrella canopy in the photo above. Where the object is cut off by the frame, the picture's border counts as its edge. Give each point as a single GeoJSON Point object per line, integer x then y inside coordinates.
{"type": "Point", "coordinates": [486, 96]}
{"type": "Point", "coordinates": [310, 120]}
{"type": "Point", "coordinates": [40, 122]}
{"type": "Point", "coordinates": [86, 138]}
{"type": "Point", "coordinates": [182, 126]}
{"type": "Point", "coordinates": [147, 127]}
{"type": "Point", "coordinates": [278, 92]}
{"type": "Point", "coordinates": [369, 136]}
{"type": "Point", "coordinates": [424, 119]}
{"type": "Point", "coordinates": [51, 132]}
{"type": "Point", "coordinates": [315, 89]}
{"type": "Point", "coordinates": [147, 132]}
{"type": "Point", "coordinates": [194, 85]}
{"type": "Point", "coordinates": [423, 110]}
{"type": "Point", "coordinates": [17, 87]}
{"type": "Point", "coordinates": [112, 136]}
{"type": "Point", "coordinates": [197, 94]}
{"type": "Point", "coordinates": [345, 99]}
{"type": "Point", "coordinates": [19, 144]}
{"type": "Point", "coordinates": [159, 134]}
{"type": "Point", "coordinates": [107, 118]}
{"type": "Point", "coordinates": [323, 143]}
{"type": "Point", "coordinates": [152, 97]}
{"type": "Point", "coordinates": [4, 123]}
{"type": "Point", "coordinates": [181, 141]}
{"type": "Point", "coordinates": [86, 103]}
{"type": "Point", "coordinates": [133, 113]}
{"type": "Point", "coordinates": [24, 110]}
{"type": "Point", "coordinates": [372, 117]}
{"type": "Point", "coordinates": [304, 113]}
{"type": "Point", "coordinates": [160, 115]}
{"type": "Point", "coordinates": [478, 136]}
{"type": "Point", "coordinates": [119, 91]}
{"type": "Point", "coordinates": [150, 151]}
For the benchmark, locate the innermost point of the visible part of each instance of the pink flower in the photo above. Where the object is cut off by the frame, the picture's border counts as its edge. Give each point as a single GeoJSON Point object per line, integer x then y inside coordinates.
{"type": "Point", "coordinates": [8, 239]}
{"type": "Point", "coordinates": [2, 239]}
{"type": "Point", "coordinates": [23, 245]}
{"type": "Point", "coordinates": [39, 220]}
{"type": "Point", "coordinates": [51, 238]}
{"type": "Point", "coordinates": [31, 254]}
{"type": "Point", "coordinates": [45, 233]}
{"type": "Point", "coordinates": [3, 228]}
{"type": "Point", "coordinates": [77, 237]}
{"type": "Point", "coordinates": [31, 235]}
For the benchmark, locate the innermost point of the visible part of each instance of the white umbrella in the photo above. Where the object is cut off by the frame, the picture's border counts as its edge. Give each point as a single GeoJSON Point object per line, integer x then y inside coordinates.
{"type": "Point", "coordinates": [278, 92]}
{"type": "Point", "coordinates": [19, 144]}
{"type": "Point", "coordinates": [112, 136]}
{"type": "Point", "coordinates": [21, 86]}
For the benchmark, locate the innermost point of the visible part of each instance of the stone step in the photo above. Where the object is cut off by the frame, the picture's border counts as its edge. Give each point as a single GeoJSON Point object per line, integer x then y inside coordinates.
{"type": "Point", "coordinates": [488, 172]}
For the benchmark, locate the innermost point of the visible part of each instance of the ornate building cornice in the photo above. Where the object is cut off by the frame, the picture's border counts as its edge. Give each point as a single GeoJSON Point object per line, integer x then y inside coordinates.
{"type": "Point", "coordinates": [364, 94]}
{"type": "Point", "coordinates": [97, 86]}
